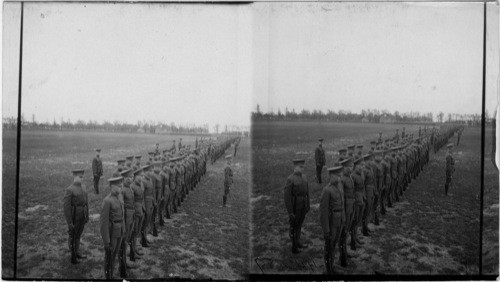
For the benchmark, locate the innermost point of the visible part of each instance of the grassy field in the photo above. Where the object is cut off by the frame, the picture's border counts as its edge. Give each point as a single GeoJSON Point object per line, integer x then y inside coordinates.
{"type": "Point", "coordinates": [425, 233]}
{"type": "Point", "coordinates": [202, 240]}
{"type": "Point", "coordinates": [490, 211]}
{"type": "Point", "coordinates": [9, 143]}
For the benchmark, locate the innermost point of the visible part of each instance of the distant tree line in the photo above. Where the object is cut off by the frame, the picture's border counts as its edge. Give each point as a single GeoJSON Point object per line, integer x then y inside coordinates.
{"type": "Point", "coordinates": [10, 123]}
{"type": "Point", "coordinates": [368, 115]}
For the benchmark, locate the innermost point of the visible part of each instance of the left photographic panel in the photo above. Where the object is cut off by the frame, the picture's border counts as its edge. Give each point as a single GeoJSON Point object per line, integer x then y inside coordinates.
{"type": "Point", "coordinates": [135, 154]}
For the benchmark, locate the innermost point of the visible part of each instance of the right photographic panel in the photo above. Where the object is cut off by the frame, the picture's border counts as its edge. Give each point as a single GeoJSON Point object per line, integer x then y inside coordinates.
{"type": "Point", "coordinates": [367, 138]}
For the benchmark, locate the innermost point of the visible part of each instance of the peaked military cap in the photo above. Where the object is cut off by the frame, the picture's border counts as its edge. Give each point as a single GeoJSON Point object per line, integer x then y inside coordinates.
{"type": "Point", "coordinates": [151, 153]}
{"type": "Point", "coordinates": [299, 161]}
{"type": "Point", "coordinates": [120, 161]}
{"type": "Point", "coordinates": [373, 142]}
{"type": "Point", "coordinates": [115, 180]}
{"type": "Point", "coordinates": [368, 157]}
{"type": "Point", "coordinates": [358, 160]}
{"type": "Point", "coordinates": [342, 151]}
{"type": "Point", "coordinates": [157, 163]}
{"type": "Point", "coordinates": [335, 169]}
{"type": "Point", "coordinates": [138, 157]}
{"type": "Point", "coordinates": [78, 172]}
{"type": "Point", "coordinates": [228, 157]}
{"type": "Point", "coordinates": [98, 150]}
{"type": "Point", "coordinates": [129, 158]}
{"type": "Point", "coordinates": [126, 172]}
{"type": "Point", "coordinates": [346, 162]}
{"type": "Point", "coordinates": [351, 146]}
{"type": "Point", "coordinates": [320, 139]}
{"type": "Point", "coordinates": [359, 146]}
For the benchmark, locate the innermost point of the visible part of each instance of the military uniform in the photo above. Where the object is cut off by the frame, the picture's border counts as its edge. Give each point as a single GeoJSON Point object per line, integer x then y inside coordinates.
{"type": "Point", "coordinates": [450, 168]}
{"type": "Point", "coordinates": [349, 200]}
{"type": "Point", "coordinates": [76, 213]}
{"type": "Point", "coordinates": [97, 170]}
{"type": "Point", "coordinates": [319, 156]}
{"type": "Point", "coordinates": [228, 180]}
{"type": "Point", "coordinates": [332, 216]}
{"type": "Point", "coordinates": [360, 200]}
{"type": "Point", "coordinates": [149, 202]}
{"type": "Point", "coordinates": [112, 227]}
{"type": "Point", "coordinates": [129, 211]}
{"type": "Point", "coordinates": [139, 210]}
{"type": "Point", "coordinates": [296, 196]}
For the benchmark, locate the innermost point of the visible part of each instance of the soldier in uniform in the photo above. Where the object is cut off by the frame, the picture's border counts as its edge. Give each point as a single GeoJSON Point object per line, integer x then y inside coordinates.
{"type": "Point", "coordinates": [137, 163]}
{"type": "Point", "coordinates": [165, 194]}
{"type": "Point", "coordinates": [129, 211]}
{"type": "Point", "coordinates": [112, 225]}
{"type": "Point", "coordinates": [360, 150]}
{"type": "Point", "coordinates": [76, 213]}
{"type": "Point", "coordinates": [319, 156]}
{"type": "Point", "coordinates": [228, 179]}
{"type": "Point", "coordinates": [380, 137]}
{"type": "Point", "coordinates": [370, 182]}
{"type": "Point", "coordinates": [180, 144]}
{"type": "Point", "coordinates": [396, 137]}
{"type": "Point", "coordinates": [332, 216]}
{"type": "Point", "coordinates": [97, 169]}
{"type": "Point", "coordinates": [349, 200]}
{"type": "Point", "coordinates": [459, 134]}
{"type": "Point", "coordinates": [156, 180]}
{"type": "Point", "coordinates": [173, 182]}
{"type": "Point", "coordinates": [342, 154]}
{"type": "Point", "coordinates": [378, 172]}
{"type": "Point", "coordinates": [149, 202]}
{"type": "Point", "coordinates": [157, 149]}
{"type": "Point", "coordinates": [296, 195]}
{"type": "Point", "coordinates": [139, 207]}
{"type": "Point", "coordinates": [360, 201]}
{"type": "Point", "coordinates": [450, 168]}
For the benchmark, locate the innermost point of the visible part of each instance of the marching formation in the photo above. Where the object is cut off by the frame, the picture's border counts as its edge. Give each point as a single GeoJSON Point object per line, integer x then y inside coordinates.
{"type": "Point", "coordinates": [142, 197]}
{"type": "Point", "coordinates": [361, 185]}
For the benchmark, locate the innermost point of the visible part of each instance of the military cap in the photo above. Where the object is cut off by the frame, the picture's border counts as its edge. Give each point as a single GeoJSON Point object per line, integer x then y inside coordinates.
{"type": "Point", "coordinates": [359, 146]}
{"type": "Point", "coordinates": [138, 157]}
{"type": "Point", "coordinates": [368, 157]}
{"type": "Point", "coordinates": [228, 157]}
{"type": "Point", "coordinates": [342, 151]}
{"type": "Point", "coordinates": [115, 180]}
{"type": "Point", "coordinates": [346, 162]}
{"type": "Point", "coordinates": [137, 171]}
{"type": "Point", "coordinates": [335, 169]}
{"type": "Point", "coordinates": [358, 160]}
{"type": "Point", "coordinates": [351, 146]}
{"type": "Point", "coordinates": [129, 158]}
{"type": "Point", "coordinates": [299, 161]}
{"type": "Point", "coordinates": [120, 161]}
{"type": "Point", "coordinates": [320, 139]}
{"type": "Point", "coordinates": [450, 145]}
{"type": "Point", "coordinates": [126, 172]}
{"type": "Point", "coordinates": [78, 172]}
{"type": "Point", "coordinates": [98, 150]}
{"type": "Point", "coordinates": [146, 167]}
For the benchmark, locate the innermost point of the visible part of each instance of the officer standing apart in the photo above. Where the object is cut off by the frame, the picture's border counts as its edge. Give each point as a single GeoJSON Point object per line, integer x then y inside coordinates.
{"type": "Point", "coordinates": [450, 168]}
{"type": "Point", "coordinates": [319, 156]}
{"type": "Point", "coordinates": [332, 216]}
{"type": "Point", "coordinates": [97, 169]}
{"type": "Point", "coordinates": [112, 225]}
{"type": "Point", "coordinates": [228, 179]}
{"type": "Point", "coordinates": [296, 194]}
{"type": "Point", "coordinates": [76, 212]}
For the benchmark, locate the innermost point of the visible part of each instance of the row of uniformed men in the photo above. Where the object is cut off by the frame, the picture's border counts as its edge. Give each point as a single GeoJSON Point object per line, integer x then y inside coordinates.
{"type": "Point", "coordinates": [367, 181]}
{"type": "Point", "coordinates": [147, 195]}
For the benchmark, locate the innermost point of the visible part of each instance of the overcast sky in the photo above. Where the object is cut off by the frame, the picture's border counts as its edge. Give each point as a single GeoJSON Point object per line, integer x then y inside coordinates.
{"type": "Point", "coordinates": [193, 63]}
{"type": "Point", "coordinates": [182, 63]}
{"type": "Point", "coordinates": [353, 56]}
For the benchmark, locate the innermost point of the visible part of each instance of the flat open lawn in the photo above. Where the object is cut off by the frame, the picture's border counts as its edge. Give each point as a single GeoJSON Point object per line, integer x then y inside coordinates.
{"type": "Point", "coordinates": [425, 233]}
{"type": "Point", "coordinates": [9, 142]}
{"type": "Point", "coordinates": [202, 240]}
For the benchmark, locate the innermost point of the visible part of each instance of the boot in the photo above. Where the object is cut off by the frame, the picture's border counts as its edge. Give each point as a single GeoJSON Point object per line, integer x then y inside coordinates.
{"type": "Point", "coordinates": [144, 241]}
{"type": "Point", "coordinates": [155, 231]}
{"type": "Point", "coordinates": [377, 222]}
{"type": "Point", "coordinates": [365, 229]}
{"type": "Point", "coordinates": [328, 265]}
{"type": "Point", "coordinates": [122, 262]}
{"type": "Point", "coordinates": [389, 201]}
{"type": "Point", "coordinates": [353, 241]}
{"type": "Point", "coordinates": [131, 252]}
{"type": "Point", "coordinates": [446, 189]}
{"type": "Point", "coordinates": [224, 198]}
{"type": "Point", "coordinates": [343, 250]}
{"type": "Point", "coordinates": [382, 208]}
{"type": "Point", "coordinates": [175, 207]}
{"type": "Point", "coordinates": [162, 221]}
{"type": "Point", "coordinates": [107, 264]}
{"type": "Point", "coordinates": [167, 211]}
{"type": "Point", "coordinates": [356, 238]}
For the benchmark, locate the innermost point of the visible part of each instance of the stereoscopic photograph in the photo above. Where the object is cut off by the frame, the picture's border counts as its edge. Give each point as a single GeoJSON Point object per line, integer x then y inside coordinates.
{"type": "Point", "coordinates": [232, 141]}
{"type": "Point", "coordinates": [366, 138]}
{"type": "Point", "coordinates": [134, 152]}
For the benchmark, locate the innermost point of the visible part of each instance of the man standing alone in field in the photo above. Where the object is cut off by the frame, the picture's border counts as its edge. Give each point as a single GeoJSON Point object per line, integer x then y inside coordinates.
{"type": "Point", "coordinates": [296, 194]}
{"type": "Point", "coordinates": [319, 156]}
{"type": "Point", "coordinates": [332, 216]}
{"type": "Point", "coordinates": [228, 179]}
{"type": "Point", "coordinates": [450, 168]}
{"type": "Point", "coordinates": [97, 169]}
{"type": "Point", "coordinates": [76, 212]}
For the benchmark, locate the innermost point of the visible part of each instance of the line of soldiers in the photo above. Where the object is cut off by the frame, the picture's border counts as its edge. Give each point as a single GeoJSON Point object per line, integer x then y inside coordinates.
{"type": "Point", "coordinates": [360, 186]}
{"type": "Point", "coordinates": [140, 196]}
